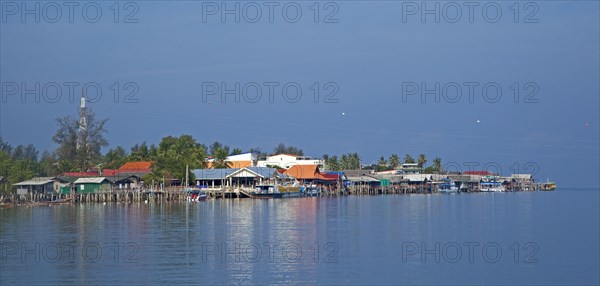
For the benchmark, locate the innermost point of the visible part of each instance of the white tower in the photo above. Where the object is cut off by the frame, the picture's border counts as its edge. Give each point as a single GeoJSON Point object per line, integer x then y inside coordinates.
{"type": "Point", "coordinates": [82, 132]}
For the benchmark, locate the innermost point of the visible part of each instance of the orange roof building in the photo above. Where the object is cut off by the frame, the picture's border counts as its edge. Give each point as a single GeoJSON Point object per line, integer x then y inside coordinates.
{"type": "Point", "coordinates": [307, 172]}
{"type": "Point", "coordinates": [136, 167]}
{"type": "Point", "coordinates": [303, 171]}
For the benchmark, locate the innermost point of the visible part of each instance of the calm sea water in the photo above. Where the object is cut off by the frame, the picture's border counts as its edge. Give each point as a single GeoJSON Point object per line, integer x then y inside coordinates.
{"type": "Point", "coordinates": [505, 238]}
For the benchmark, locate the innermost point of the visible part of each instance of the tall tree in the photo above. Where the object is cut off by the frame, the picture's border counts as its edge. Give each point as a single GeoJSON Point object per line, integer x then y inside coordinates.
{"type": "Point", "coordinates": [115, 158]}
{"type": "Point", "coordinates": [394, 161]}
{"type": "Point", "coordinates": [282, 149]}
{"type": "Point", "coordinates": [437, 164]}
{"type": "Point", "coordinates": [5, 162]}
{"type": "Point", "coordinates": [345, 161]}
{"type": "Point", "coordinates": [421, 160]}
{"type": "Point", "coordinates": [353, 161]}
{"type": "Point", "coordinates": [382, 162]}
{"type": "Point", "coordinates": [66, 138]}
{"type": "Point", "coordinates": [408, 159]}
{"type": "Point", "coordinates": [174, 153]}
{"type": "Point", "coordinates": [236, 151]}
{"type": "Point", "coordinates": [220, 158]}
{"type": "Point", "coordinates": [215, 146]}
{"type": "Point", "coordinates": [332, 163]}
{"type": "Point", "coordinates": [258, 151]}
{"type": "Point", "coordinates": [23, 152]}
{"type": "Point", "coordinates": [4, 146]}
{"type": "Point", "coordinates": [48, 164]}
{"type": "Point", "coordinates": [141, 152]}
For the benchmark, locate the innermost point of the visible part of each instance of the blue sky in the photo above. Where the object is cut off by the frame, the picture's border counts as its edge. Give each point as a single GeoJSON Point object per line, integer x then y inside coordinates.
{"type": "Point", "coordinates": [368, 55]}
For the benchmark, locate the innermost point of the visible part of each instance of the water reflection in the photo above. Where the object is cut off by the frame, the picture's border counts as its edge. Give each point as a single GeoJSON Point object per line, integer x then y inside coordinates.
{"type": "Point", "coordinates": [243, 241]}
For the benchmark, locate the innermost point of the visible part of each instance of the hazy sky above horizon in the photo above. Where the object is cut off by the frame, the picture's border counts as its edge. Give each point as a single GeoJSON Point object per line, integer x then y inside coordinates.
{"type": "Point", "coordinates": [371, 61]}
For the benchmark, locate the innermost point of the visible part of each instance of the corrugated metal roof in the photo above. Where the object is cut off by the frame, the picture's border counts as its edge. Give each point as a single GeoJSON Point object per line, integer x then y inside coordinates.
{"type": "Point", "coordinates": [126, 175]}
{"type": "Point", "coordinates": [36, 181]}
{"type": "Point", "coordinates": [114, 179]}
{"type": "Point", "coordinates": [465, 178]}
{"type": "Point", "coordinates": [79, 174]}
{"type": "Point", "coordinates": [423, 177]}
{"type": "Point", "coordinates": [355, 173]}
{"type": "Point", "coordinates": [92, 180]}
{"type": "Point", "coordinates": [213, 174]}
{"type": "Point", "coordinates": [33, 183]}
{"type": "Point", "coordinates": [265, 172]}
{"type": "Point", "coordinates": [521, 176]}
{"type": "Point", "coordinates": [362, 179]}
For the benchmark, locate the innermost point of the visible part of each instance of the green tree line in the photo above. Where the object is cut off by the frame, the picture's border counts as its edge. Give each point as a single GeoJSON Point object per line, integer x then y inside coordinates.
{"type": "Point", "coordinates": [170, 157]}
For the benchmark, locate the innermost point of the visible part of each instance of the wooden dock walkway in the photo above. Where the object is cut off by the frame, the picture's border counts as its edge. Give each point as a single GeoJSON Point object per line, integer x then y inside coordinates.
{"type": "Point", "coordinates": [179, 194]}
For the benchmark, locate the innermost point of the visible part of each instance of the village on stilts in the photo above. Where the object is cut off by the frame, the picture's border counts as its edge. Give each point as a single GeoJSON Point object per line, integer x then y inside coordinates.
{"type": "Point", "coordinates": [276, 176]}
{"type": "Point", "coordinates": [181, 169]}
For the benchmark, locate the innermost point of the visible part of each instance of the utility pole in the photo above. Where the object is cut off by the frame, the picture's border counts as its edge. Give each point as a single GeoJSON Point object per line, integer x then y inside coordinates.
{"type": "Point", "coordinates": [187, 172]}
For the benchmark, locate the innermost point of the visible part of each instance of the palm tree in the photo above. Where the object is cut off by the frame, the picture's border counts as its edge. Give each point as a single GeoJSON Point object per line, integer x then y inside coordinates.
{"type": "Point", "coordinates": [220, 158]}
{"type": "Point", "coordinates": [175, 153]}
{"type": "Point", "coordinates": [437, 164]}
{"type": "Point", "coordinates": [354, 161]}
{"type": "Point", "coordinates": [236, 151]}
{"type": "Point", "coordinates": [332, 163]}
{"type": "Point", "coordinates": [139, 152]}
{"type": "Point", "coordinates": [217, 145]}
{"type": "Point", "coordinates": [408, 159]}
{"type": "Point", "coordinates": [422, 160]}
{"type": "Point", "coordinates": [394, 161]}
{"type": "Point", "coordinates": [382, 162]}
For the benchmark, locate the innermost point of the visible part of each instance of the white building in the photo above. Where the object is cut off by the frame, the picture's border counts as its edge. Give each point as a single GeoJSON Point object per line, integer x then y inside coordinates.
{"type": "Point", "coordinates": [288, 160]}
{"type": "Point", "coordinates": [238, 161]}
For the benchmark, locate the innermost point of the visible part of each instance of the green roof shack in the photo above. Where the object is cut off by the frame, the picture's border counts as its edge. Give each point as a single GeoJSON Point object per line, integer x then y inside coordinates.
{"type": "Point", "coordinates": [92, 185]}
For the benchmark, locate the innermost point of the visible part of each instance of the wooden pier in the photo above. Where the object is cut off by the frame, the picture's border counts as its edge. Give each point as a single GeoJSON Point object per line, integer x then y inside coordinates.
{"type": "Point", "coordinates": [179, 194]}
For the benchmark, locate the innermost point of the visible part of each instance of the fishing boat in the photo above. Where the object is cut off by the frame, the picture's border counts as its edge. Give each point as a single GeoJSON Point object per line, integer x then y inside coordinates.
{"type": "Point", "coordinates": [448, 187]}
{"type": "Point", "coordinates": [492, 186]}
{"type": "Point", "coordinates": [265, 192]}
{"type": "Point", "coordinates": [289, 191]}
{"type": "Point", "coordinates": [60, 202]}
{"type": "Point", "coordinates": [548, 186]}
{"type": "Point", "coordinates": [196, 196]}
{"type": "Point", "coordinates": [309, 190]}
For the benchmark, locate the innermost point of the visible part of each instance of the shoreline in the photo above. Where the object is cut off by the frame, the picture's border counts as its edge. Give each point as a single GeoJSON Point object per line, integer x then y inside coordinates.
{"type": "Point", "coordinates": [182, 196]}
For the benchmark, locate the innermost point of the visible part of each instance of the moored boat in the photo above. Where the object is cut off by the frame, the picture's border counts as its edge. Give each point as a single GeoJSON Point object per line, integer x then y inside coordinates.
{"type": "Point", "coordinates": [265, 191]}
{"type": "Point", "coordinates": [448, 187]}
{"type": "Point", "coordinates": [491, 187]}
{"type": "Point", "coordinates": [309, 190]}
{"type": "Point", "coordinates": [491, 184]}
{"type": "Point", "coordinates": [60, 202]}
{"type": "Point", "coordinates": [196, 196]}
{"type": "Point", "coordinates": [548, 186]}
